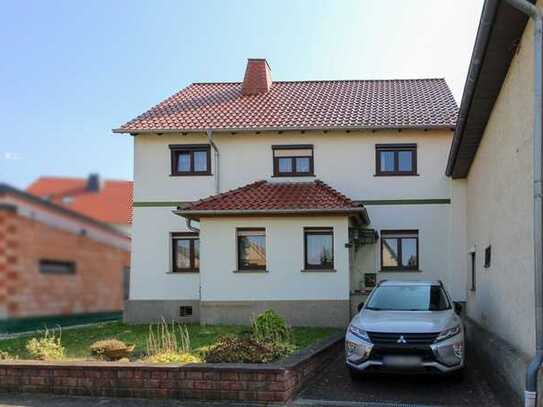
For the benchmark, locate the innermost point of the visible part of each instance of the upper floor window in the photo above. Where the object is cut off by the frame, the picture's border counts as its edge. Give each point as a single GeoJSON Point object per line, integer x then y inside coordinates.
{"type": "Point", "coordinates": [293, 160]}
{"type": "Point", "coordinates": [190, 159]}
{"type": "Point", "coordinates": [399, 250]}
{"type": "Point", "coordinates": [319, 248]}
{"type": "Point", "coordinates": [396, 159]}
{"type": "Point", "coordinates": [185, 252]}
{"type": "Point", "coordinates": [251, 249]}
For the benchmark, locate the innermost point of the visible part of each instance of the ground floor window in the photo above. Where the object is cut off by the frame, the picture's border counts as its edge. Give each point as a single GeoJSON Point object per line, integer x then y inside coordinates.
{"type": "Point", "coordinates": [318, 248]}
{"type": "Point", "coordinates": [251, 249]}
{"type": "Point", "coordinates": [185, 252]}
{"type": "Point", "coordinates": [399, 250]}
{"type": "Point", "coordinates": [48, 266]}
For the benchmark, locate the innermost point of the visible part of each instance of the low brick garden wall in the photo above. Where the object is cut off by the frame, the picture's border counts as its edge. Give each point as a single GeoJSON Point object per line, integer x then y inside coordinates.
{"type": "Point", "coordinates": [274, 382]}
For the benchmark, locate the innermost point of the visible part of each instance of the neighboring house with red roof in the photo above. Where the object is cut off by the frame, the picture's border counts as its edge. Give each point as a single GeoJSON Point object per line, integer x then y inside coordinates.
{"type": "Point", "coordinates": [292, 195]}
{"type": "Point", "coordinates": [57, 262]}
{"type": "Point", "coordinates": [108, 201]}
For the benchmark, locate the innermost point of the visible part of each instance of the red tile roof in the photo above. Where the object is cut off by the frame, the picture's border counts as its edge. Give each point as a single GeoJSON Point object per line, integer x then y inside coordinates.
{"type": "Point", "coordinates": [305, 105]}
{"type": "Point", "coordinates": [112, 204]}
{"type": "Point", "coordinates": [275, 197]}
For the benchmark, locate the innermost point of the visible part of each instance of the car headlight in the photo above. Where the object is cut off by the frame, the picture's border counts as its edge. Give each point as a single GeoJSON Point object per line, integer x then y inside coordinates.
{"type": "Point", "coordinates": [360, 333]}
{"type": "Point", "coordinates": [449, 333]}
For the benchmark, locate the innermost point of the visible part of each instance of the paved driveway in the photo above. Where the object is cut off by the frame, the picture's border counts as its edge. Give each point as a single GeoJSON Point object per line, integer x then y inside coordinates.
{"type": "Point", "coordinates": [334, 387]}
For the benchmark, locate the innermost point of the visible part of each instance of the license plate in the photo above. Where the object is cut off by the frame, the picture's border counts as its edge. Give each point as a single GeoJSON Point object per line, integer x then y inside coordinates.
{"type": "Point", "coordinates": [402, 361]}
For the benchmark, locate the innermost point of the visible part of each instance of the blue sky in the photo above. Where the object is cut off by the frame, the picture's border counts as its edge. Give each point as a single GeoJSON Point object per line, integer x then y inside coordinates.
{"type": "Point", "coordinates": [72, 70]}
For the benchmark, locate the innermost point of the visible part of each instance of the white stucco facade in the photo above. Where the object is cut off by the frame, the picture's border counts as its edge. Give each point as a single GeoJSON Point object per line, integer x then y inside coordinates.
{"type": "Point", "coordinates": [344, 160]}
{"type": "Point", "coordinates": [284, 278]}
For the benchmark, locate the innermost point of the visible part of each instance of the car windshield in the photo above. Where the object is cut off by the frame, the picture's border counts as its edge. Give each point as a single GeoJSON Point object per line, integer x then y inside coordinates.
{"type": "Point", "coordinates": [408, 298]}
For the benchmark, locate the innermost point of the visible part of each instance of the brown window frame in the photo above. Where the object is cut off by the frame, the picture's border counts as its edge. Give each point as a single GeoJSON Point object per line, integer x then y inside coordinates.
{"type": "Point", "coordinates": [488, 257]}
{"type": "Point", "coordinates": [70, 266]}
{"type": "Point", "coordinates": [415, 235]}
{"type": "Point", "coordinates": [177, 149]}
{"type": "Point", "coordinates": [190, 236]}
{"type": "Point", "coordinates": [243, 267]}
{"type": "Point", "coordinates": [396, 149]}
{"type": "Point", "coordinates": [293, 173]}
{"type": "Point", "coordinates": [473, 258]}
{"type": "Point", "coordinates": [308, 231]}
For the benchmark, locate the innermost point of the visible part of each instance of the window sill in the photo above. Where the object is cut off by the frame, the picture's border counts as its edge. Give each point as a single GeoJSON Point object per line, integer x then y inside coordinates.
{"type": "Point", "coordinates": [396, 175]}
{"type": "Point", "coordinates": [251, 271]}
{"type": "Point", "coordinates": [184, 272]}
{"type": "Point", "coordinates": [294, 176]}
{"type": "Point", "coordinates": [400, 271]}
{"type": "Point", "coordinates": [318, 270]}
{"type": "Point", "coordinates": [193, 174]}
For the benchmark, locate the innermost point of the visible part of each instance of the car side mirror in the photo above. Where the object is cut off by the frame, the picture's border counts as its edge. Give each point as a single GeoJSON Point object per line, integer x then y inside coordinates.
{"type": "Point", "coordinates": [458, 308]}
{"type": "Point", "coordinates": [359, 307]}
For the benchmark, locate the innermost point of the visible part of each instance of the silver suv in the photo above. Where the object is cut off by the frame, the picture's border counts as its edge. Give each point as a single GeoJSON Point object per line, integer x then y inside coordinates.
{"type": "Point", "coordinates": [406, 326]}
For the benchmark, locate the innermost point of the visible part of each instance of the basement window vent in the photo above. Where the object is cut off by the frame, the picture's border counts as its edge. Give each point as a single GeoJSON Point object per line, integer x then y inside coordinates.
{"type": "Point", "coordinates": [488, 256]}
{"type": "Point", "coordinates": [185, 311]}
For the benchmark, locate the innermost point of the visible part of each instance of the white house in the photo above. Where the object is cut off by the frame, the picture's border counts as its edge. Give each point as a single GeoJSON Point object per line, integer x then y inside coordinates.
{"type": "Point", "coordinates": [290, 195]}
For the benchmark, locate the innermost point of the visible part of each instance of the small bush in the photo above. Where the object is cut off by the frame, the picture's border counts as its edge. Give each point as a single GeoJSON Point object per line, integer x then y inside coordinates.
{"type": "Point", "coordinates": [47, 347]}
{"type": "Point", "coordinates": [168, 339]}
{"type": "Point", "coordinates": [270, 327]}
{"type": "Point", "coordinates": [245, 349]}
{"type": "Point", "coordinates": [173, 357]}
{"type": "Point", "coordinates": [112, 349]}
{"type": "Point", "coordinates": [6, 356]}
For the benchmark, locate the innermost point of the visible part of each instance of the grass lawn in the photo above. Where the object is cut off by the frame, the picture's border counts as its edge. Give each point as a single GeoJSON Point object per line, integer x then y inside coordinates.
{"type": "Point", "coordinates": [76, 341]}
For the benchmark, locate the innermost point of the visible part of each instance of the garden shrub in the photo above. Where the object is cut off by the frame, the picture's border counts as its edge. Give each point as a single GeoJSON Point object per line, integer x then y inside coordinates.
{"type": "Point", "coordinates": [245, 349]}
{"type": "Point", "coordinates": [112, 349]}
{"type": "Point", "coordinates": [6, 356]}
{"type": "Point", "coordinates": [47, 347]}
{"type": "Point", "coordinates": [270, 327]}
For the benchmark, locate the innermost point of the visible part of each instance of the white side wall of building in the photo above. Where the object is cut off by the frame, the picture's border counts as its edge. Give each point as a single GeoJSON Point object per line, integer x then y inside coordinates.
{"type": "Point", "coordinates": [151, 262]}
{"type": "Point", "coordinates": [499, 205]}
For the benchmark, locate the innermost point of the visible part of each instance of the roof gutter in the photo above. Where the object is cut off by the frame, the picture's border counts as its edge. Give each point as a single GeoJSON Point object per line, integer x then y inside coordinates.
{"type": "Point", "coordinates": [217, 166]}
{"type": "Point", "coordinates": [281, 129]}
{"type": "Point", "coordinates": [530, 392]}
{"type": "Point", "coordinates": [488, 16]}
{"type": "Point", "coordinates": [197, 214]}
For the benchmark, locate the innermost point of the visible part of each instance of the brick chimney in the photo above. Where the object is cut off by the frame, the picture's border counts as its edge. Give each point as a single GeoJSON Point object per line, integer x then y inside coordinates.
{"type": "Point", "coordinates": [257, 77]}
{"type": "Point", "coordinates": [94, 183]}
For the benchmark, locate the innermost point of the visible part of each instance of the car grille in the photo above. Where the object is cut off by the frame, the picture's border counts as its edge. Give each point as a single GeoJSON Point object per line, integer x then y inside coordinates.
{"type": "Point", "coordinates": [385, 338]}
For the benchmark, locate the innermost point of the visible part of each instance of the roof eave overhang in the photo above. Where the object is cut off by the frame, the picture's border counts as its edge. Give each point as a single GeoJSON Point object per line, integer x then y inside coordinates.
{"type": "Point", "coordinates": [359, 214]}
{"type": "Point", "coordinates": [500, 29]}
{"type": "Point", "coordinates": [284, 129]}
{"type": "Point", "coordinates": [6, 190]}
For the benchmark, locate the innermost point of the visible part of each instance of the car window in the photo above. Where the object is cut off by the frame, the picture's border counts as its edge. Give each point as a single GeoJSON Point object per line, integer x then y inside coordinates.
{"type": "Point", "coordinates": [408, 298]}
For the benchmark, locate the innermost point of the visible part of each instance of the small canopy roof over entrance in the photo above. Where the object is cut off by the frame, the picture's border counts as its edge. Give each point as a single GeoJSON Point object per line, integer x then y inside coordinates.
{"type": "Point", "coordinates": [277, 198]}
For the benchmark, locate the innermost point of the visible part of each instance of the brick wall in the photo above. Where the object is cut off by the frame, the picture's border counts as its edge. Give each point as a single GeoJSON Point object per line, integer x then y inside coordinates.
{"type": "Point", "coordinates": [96, 285]}
{"type": "Point", "coordinates": [236, 382]}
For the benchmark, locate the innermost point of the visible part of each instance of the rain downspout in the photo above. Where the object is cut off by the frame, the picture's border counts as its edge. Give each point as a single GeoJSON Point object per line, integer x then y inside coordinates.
{"type": "Point", "coordinates": [216, 151]}
{"type": "Point", "coordinates": [530, 392]}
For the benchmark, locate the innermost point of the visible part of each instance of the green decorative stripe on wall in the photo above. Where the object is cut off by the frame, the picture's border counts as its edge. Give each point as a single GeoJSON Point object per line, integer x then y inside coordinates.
{"type": "Point", "coordinates": [438, 201]}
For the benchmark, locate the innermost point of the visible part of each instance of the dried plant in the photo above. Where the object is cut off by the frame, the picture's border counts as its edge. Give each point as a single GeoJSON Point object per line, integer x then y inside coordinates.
{"type": "Point", "coordinates": [173, 338]}
{"type": "Point", "coordinates": [47, 347]}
